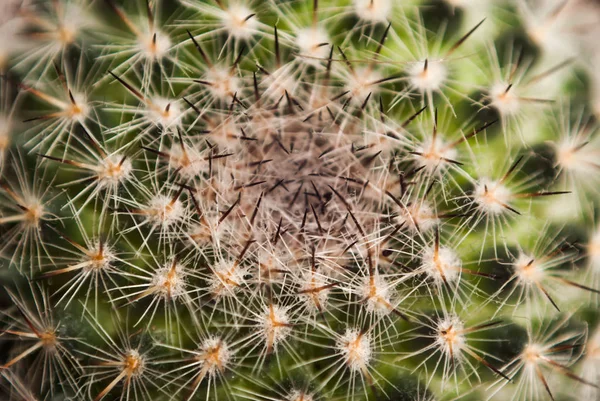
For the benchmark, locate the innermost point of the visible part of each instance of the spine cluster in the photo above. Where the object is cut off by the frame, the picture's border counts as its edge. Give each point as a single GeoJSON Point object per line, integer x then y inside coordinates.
{"type": "Point", "coordinates": [299, 200]}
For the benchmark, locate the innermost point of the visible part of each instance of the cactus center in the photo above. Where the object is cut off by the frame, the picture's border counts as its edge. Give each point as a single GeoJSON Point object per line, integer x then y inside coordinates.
{"type": "Point", "coordinates": [418, 216]}
{"type": "Point", "coordinates": [215, 355]}
{"type": "Point", "coordinates": [275, 325]}
{"type": "Point", "coordinates": [313, 42]}
{"type": "Point", "coordinates": [4, 133]}
{"type": "Point", "coordinates": [169, 281]}
{"type": "Point", "coordinates": [376, 292]}
{"type": "Point", "coordinates": [528, 270]}
{"type": "Point", "coordinates": [99, 258]}
{"type": "Point", "coordinates": [66, 35]}
{"type": "Point", "coordinates": [297, 395]}
{"type": "Point", "coordinates": [355, 347]}
{"type": "Point", "coordinates": [492, 196]}
{"type": "Point", "coordinates": [428, 75]}
{"type": "Point", "coordinates": [133, 363]}
{"type": "Point", "coordinates": [164, 113]}
{"type": "Point", "coordinates": [115, 169]}
{"type": "Point", "coordinates": [154, 46]}
{"type": "Point", "coordinates": [227, 278]}
{"type": "Point", "coordinates": [504, 99]}
{"type": "Point", "coordinates": [373, 10]}
{"type": "Point", "coordinates": [201, 234]}
{"type": "Point", "coordinates": [240, 21]}
{"type": "Point", "coordinates": [593, 249]}
{"type": "Point", "coordinates": [164, 210]}
{"type": "Point", "coordinates": [450, 336]}
{"type": "Point", "coordinates": [34, 213]}
{"type": "Point", "coordinates": [441, 265]}
{"type": "Point", "coordinates": [434, 152]}
{"type": "Point", "coordinates": [48, 338]}
{"type": "Point", "coordinates": [222, 83]}
{"type": "Point", "coordinates": [362, 83]}
{"type": "Point", "coordinates": [77, 108]}
{"type": "Point", "coordinates": [531, 354]}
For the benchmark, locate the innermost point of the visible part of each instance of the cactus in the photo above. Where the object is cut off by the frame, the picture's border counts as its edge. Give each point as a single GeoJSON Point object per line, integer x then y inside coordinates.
{"type": "Point", "coordinates": [299, 200]}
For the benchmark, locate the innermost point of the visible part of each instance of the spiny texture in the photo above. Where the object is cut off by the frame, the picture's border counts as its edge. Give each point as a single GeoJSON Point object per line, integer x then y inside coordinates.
{"type": "Point", "coordinates": [299, 200]}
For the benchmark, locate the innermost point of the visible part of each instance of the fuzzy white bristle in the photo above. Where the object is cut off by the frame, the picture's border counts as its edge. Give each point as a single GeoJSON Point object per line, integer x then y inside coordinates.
{"type": "Point", "coordinates": [298, 200]}
{"type": "Point", "coordinates": [165, 113]}
{"type": "Point", "coordinates": [450, 338]}
{"type": "Point", "coordinates": [189, 162]}
{"type": "Point", "coordinates": [80, 109]}
{"type": "Point", "coordinates": [593, 250]}
{"type": "Point", "coordinates": [491, 196]}
{"type": "Point", "coordinates": [5, 130]}
{"type": "Point", "coordinates": [164, 211]}
{"type": "Point", "coordinates": [227, 279]}
{"type": "Point", "coordinates": [377, 293]}
{"type": "Point", "coordinates": [360, 84]}
{"type": "Point", "coordinates": [298, 395]}
{"type": "Point", "coordinates": [223, 84]}
{"type": "Point", "coordinates": [73, 21]}
{"type": "Point", "coordinates": [169, 281]}
{"type": "Point", "coordinates": [34, 213]}
{"type": "Point", "coordinates": [132, 363]}
{"type": "Point", "coordinates": [428, 79]}
{"type": "Point", "coordinates": [114, 170]}
{"type": "Point", "coordinates": [504, 99]}
{"type": "Point", "coordinates": [239, 21]}
{"type": "Point", "coordinates": [593, 347]}
{"type": "Point", "coordinates": [312, 43]}
{"type": "Point", "coordinates": [576, 158]}
{"type": "Point", "coordinates": [313, 290]}
{"type": "Point", "coordinates": [356, 349]}
{"type": "Point", "coordinates": [275, 325]}
{"type": "Point", "coordinates": [434, 153]}
{"type": "Point", "coordinates": [419, 216]}
{"type": "Point", "coordinates": [100, 258]}
{"type": "Point", "coordinates": [280, 81]}
{"type": "Point", "coordinates": [11, 28]}
{"type": "Point", "coordinates": [373, 10]}
{"type": "Point", "coordinates": [546, 33]}
{"type": "Point", "coordinates": [532, 354]}
{"type": "Point", "coordinates": [154, 45]}
{"type": "Point", "coordinates": [442, 265]}
{"type": "Point", "coordinates": [226, 134]}
{"type": "Point", "coordinates": [528, 270]}
{"type": "Point", "coordinates": [214, 355]}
